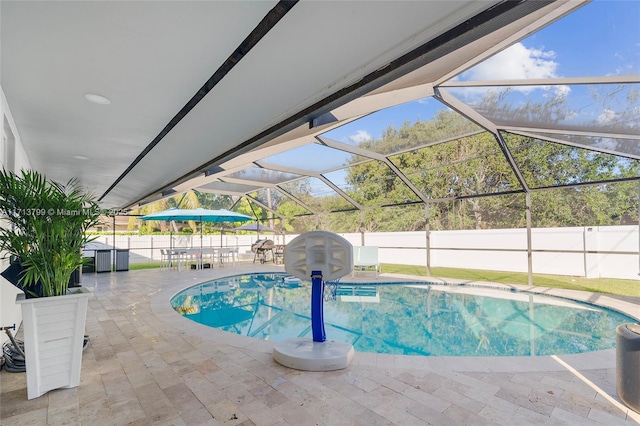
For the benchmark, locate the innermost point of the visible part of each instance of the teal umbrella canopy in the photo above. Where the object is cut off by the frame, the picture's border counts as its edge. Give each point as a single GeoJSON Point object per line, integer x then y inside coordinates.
{"type": "Point", "coordinates": [198, 215]}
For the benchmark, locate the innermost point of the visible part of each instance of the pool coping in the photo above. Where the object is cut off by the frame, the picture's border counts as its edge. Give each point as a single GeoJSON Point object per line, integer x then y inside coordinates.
{"type": "Point", "coordinates": [161, 307]}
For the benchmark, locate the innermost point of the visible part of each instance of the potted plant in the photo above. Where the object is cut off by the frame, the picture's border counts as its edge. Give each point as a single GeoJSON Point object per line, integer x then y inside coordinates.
{"type": "Point", "coordinates": [43, 232]}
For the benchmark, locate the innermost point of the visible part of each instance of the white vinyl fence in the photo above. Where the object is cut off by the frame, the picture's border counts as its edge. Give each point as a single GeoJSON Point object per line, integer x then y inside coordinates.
{"type": "Point", "coordinates": [146, 248]}
{"type": "Point", "coordinates": [594, 252]}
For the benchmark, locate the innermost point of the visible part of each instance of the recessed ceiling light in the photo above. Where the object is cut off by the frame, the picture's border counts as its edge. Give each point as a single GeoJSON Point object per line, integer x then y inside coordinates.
{"type": "Point", "coordinates": [97, 99]}
{"type": "Point", "coordinates": [80, 157]}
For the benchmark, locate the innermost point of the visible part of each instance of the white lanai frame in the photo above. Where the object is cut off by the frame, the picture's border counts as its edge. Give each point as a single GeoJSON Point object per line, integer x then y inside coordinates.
{"type": "Point", "coordinates": [439, 88]}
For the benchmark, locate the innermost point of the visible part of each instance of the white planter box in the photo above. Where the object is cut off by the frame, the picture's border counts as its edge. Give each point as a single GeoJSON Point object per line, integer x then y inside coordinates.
{"type": "Point", "coordinates": [53, 329]}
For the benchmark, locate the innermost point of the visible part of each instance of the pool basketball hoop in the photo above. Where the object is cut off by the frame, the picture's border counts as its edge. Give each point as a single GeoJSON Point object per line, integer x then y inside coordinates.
{"type": "Point", "coordinates": [321, 256]}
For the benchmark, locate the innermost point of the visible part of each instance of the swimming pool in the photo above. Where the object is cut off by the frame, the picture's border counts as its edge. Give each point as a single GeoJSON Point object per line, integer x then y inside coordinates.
{"type": "Point", "coordinates": [407, 318]}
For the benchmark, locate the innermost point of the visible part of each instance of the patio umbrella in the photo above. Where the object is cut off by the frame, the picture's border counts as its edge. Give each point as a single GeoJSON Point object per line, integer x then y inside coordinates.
{"type": "Point", "coordinates": [255, 227]}
{"type": "Point", "coordinates": [198, 215]}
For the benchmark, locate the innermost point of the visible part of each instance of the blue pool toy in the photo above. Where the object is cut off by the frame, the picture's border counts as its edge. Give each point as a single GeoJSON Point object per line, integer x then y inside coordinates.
{"type": "Point", "coordinates": [321, 256]}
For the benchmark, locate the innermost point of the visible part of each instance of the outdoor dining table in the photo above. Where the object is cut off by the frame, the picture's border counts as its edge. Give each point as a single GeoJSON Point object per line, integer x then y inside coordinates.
{"type": "Point", "coordinates": [220, 255]}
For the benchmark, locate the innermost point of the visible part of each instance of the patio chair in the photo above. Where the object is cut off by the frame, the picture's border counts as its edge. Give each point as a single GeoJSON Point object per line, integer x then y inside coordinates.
{"type": "Point", "coordinates": [164, 259]}
{"type": "Point", "coordinates": [227, 255]}
{"type": "Point", "coordinates": [365, 257]}
{"type": "Point", "coordinates": [278, 254]}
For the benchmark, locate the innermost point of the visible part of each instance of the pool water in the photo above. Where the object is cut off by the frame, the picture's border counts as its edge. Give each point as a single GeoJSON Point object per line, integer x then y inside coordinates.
{"type": "Point", "coordinates": [404, 318]}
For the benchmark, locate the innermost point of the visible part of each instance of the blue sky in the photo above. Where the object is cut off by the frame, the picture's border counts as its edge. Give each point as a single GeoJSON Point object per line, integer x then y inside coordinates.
{"type": "Point", "coordinates": [602, 38]}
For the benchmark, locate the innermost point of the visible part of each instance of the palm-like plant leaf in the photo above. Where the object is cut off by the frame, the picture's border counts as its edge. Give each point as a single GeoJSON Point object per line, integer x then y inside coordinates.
{"type": "Point", "coordinates": [45, 230]}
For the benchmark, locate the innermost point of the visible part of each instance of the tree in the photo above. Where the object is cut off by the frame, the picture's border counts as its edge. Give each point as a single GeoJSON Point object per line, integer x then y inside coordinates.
{"type": "Point", "coordinates": [188, 200]}
{"type": "Point", "coordinates": [472, 185]}
{"type": "Point", "coordinates": [461, 175]}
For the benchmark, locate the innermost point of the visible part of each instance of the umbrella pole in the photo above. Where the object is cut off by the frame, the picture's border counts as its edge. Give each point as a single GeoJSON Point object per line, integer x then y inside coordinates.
{"type": "Point", "coordinates": [201, 260]}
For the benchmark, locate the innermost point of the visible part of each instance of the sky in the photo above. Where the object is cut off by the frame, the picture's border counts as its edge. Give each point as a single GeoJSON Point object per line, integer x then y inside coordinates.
{"type": "Point", "coordinates": [600, 39]}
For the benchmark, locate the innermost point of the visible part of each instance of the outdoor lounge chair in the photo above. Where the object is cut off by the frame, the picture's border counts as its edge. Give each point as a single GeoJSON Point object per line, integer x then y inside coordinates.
{"type": "Point", "coordinates": [365, 257]}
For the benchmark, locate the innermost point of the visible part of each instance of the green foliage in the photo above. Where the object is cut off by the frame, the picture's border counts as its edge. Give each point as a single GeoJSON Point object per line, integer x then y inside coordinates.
{"type": "Point", "coordinates": [213, 201]}
{"type": "Point", "coordinates": [465, 174]}
{"type": "Point", "coordinates": [188, 200]}
{"type": "Point", "coordinates": [600, 205]}
{"type": "Point", "coordinates": [244, 206]}
{"type": "Point", "coordinates": [446, 124]}
{"type": "Point", "coordinates": [47, 224]}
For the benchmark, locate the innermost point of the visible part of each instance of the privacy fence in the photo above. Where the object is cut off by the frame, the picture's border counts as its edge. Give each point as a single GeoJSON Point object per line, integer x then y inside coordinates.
{"type": "Point", "coordinates": [594, 252]}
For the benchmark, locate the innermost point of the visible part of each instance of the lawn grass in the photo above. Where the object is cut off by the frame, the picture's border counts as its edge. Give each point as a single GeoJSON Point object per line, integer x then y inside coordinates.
{"type": "Point", "coordinates": [595, 285]}
{"type": "Point", "coordinates": [149, 265]}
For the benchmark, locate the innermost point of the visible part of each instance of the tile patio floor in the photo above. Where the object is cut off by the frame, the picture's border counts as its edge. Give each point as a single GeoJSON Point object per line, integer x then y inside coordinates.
{"type": "Point", "coordinates": [146, 365]}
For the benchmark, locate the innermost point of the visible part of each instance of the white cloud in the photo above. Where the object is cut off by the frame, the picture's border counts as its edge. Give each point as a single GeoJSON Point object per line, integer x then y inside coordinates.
{"type": "Point", "coordinates": [607, 143]}
{"type": "Point", "coordinates": [360, 136]}
{"type": "Point", "coordinates": [606, 117]}
{"type": "Point", "coordinates": [516, 62]}
{"type": "Point", "coordinates": [562, 90]}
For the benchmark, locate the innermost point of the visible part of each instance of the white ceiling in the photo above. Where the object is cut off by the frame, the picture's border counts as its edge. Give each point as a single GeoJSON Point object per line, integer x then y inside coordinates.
{"type": "Point", "coordinates": [150, 58]}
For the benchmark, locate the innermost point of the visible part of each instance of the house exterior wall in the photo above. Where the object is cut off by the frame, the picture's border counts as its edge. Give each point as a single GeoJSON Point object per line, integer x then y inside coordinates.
{"type": "Point", "coordinates": [12, 157]}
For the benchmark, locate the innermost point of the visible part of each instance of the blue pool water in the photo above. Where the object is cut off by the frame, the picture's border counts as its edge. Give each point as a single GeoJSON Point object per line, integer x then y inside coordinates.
{"type": "Point", "coordinates": [404, 318]}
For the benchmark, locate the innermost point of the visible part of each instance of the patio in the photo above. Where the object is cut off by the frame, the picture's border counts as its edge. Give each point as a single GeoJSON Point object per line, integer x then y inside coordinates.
{"type": "Point", "coordinates": [148, 365]}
